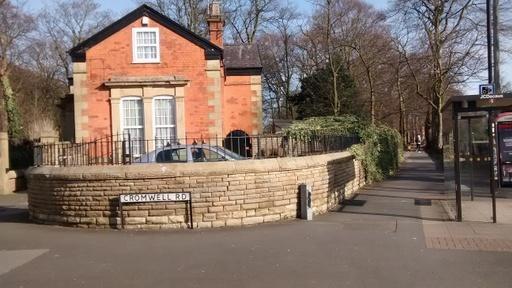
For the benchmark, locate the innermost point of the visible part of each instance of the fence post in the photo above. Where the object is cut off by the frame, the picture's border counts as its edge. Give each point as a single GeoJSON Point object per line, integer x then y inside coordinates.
{"type": "Point", "coordinates": [258, 151]}
{"type": "Point", "coordinates": [95, 151]}
{"type": "Point", "coordinates": [130, 147]}
{"type": "Point", "coordinates": [123, 152]}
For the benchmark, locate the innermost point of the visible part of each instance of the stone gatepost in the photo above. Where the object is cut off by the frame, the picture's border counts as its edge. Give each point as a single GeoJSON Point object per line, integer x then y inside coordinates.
{"type": "Point", "coordinates": [4, 163]}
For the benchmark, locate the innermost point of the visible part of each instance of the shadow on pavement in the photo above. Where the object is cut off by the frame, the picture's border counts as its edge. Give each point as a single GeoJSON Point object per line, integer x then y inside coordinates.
{"type": "Point", "coordinates": [409, 194]}
{"type": "Point", "coordinates": [13, 215]}
{"type": "Point", "coordinates": [395, 215]}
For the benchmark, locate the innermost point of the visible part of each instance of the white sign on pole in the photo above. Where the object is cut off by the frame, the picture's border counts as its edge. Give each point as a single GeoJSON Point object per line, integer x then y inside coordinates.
{"type": "Point", "coordinates": [154, 197]}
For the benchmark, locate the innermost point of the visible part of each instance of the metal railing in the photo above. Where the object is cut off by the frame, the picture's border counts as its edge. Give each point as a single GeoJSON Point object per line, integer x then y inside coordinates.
{"type": "Point", "coordinates": [125, 150]}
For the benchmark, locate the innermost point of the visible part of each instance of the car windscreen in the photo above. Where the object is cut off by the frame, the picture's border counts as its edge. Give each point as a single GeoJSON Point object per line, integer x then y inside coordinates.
{"type": "Point", "coordinates": [172, 155]}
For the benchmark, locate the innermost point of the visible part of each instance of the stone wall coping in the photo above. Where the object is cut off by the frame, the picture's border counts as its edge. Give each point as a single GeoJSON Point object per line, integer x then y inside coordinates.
{"type": "Point", "coordinates": [137, 171]}
{"type": "Point", "coordinates": [13, 174]}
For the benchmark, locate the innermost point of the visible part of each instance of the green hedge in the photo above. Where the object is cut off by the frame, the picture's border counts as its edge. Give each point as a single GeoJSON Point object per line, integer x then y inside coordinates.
{"type": "Point", "coordinates": [380, 150]}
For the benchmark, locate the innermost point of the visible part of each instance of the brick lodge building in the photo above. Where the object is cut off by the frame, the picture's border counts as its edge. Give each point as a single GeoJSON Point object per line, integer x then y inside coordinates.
{"type": "Point", "coordinates": [148, 76]}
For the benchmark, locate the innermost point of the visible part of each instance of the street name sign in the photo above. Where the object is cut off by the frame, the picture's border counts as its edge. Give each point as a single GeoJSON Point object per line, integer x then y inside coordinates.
{"type": "Point", "coordinates": [125, 199]}
{"type": "Point", "coordinates": [154, 197]}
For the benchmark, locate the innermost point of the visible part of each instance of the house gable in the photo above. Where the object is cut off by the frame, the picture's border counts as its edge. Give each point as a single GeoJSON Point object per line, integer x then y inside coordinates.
{"type": "Point", "coordinates": [78, 53]}
{"type": "Point", "coordinates": [213, 90]}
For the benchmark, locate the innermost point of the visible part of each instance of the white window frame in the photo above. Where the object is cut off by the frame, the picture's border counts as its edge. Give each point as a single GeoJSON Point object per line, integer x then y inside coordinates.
{"type": "Point", "coordinates": [121, 114]}
{"type": "Point", "coordinates": [173, 126]}
{"type": "Point", "coordinates": [134, 45]}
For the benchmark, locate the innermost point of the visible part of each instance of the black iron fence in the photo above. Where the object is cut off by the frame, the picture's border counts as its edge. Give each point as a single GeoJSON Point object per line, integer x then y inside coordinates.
{"type": "Point", "coordinates": [125, 150]}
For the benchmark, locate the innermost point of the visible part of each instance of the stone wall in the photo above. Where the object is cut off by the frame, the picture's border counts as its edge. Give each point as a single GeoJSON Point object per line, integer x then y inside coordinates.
{"type": "Point", "coordinates": [17, 181]}
{"type": "Point", "coordinates": [231, 193]}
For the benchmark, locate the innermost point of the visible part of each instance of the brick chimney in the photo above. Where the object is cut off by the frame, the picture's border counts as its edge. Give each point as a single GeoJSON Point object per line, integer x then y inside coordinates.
{"type": "Point", "coordinates": [215, 23]}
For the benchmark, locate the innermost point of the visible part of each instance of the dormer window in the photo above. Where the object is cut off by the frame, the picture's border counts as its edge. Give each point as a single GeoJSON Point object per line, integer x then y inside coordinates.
{"type": "Point", "coordinates": [146, 45]}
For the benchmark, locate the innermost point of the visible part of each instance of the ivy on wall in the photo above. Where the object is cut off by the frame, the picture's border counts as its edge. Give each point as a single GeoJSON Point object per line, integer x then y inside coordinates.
{"type": "Point", "coordinates": [13, 114]}
{"type": "Point", "coordinates": [380, 150]}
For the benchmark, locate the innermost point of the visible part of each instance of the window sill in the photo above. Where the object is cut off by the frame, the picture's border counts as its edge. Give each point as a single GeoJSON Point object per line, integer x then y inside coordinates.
{"type": "Point", "coordinates": [146, 62]}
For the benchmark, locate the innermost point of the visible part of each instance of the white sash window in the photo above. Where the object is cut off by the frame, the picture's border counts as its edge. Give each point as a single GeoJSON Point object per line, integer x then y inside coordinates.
{"type": "Point", "coordinates": [164, 120]}
{"type": "Point", "coordinates": [146, 45]}
{"type": "Point", "coordinates": [132, 123]}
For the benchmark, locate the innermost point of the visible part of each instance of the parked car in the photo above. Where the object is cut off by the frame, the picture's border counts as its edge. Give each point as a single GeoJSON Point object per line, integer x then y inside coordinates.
{"type": "Point", "coordinates": [188, 153]}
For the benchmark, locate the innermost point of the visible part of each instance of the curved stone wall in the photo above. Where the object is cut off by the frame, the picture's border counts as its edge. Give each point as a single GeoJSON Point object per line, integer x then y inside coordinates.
{"type": "Point", "coordinates": [231, 193]}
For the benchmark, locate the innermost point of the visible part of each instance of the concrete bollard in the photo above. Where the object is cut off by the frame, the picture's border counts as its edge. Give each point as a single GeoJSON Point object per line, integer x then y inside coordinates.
{"type": "Point", "coordinates": [306, 209]}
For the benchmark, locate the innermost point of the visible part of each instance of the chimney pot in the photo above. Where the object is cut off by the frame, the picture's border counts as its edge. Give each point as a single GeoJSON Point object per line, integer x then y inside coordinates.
{"type": "Point", "coordinates": [215, 23]}
{"type": "Point", "coordinates": [214, 9]}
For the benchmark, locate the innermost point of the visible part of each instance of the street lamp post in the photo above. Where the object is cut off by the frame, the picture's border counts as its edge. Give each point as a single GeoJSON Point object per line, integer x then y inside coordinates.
{"type": "Point", "coordinates": [489, 42]}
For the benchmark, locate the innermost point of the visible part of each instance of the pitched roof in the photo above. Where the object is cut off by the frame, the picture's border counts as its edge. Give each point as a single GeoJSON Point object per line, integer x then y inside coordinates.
{"type": "Point", "coordinates": [241, 56]}
{"type": "Point", "coordinates": [212, 51]}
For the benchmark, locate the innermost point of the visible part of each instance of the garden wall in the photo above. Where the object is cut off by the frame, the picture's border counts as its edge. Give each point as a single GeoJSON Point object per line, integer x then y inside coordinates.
{"type": "Point", "coordinates": [233, 193]}
{"type": "Point", "coordinates": [16, 180]}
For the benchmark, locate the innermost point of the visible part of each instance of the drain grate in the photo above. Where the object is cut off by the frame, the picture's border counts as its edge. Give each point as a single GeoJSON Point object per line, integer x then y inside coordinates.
{"type": "Point", "coordinates": [422, 202]}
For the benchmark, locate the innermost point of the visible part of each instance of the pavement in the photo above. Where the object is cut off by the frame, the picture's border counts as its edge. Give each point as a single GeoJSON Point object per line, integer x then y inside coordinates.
{"type": "Point", "coordinates": [394, 234]}
{"type": "Point", "coordinates": [479, 209]}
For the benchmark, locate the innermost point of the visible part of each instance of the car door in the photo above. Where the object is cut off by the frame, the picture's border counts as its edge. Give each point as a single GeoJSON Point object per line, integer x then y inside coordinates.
{"type": "Point", "coordinates": [213, 155]}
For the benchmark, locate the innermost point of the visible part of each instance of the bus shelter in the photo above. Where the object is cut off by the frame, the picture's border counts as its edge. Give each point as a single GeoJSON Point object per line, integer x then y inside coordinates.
{"type": "Point", "coordinates": [477, 157]}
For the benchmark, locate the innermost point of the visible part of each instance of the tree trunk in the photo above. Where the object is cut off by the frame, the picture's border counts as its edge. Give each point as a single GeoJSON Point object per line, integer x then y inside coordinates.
{"type": "Point", "coordinates": [372, 95]}
{"type": "Point", "coordinates": [439, 130]}
{"type": "Point", "coordinates": [335, 94]}
{"type": "Point", "coordinates": [401, 109]}
{"type": "Point", "coordinates": [437, 126]}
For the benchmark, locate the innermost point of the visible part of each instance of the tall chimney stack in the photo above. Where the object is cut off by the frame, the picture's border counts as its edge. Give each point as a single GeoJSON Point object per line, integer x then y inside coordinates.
{"type": "Point", "coordinates": [215, 23]}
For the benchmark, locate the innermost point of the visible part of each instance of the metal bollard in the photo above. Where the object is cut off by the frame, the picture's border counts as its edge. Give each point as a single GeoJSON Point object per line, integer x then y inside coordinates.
{"type": "Point", "coordinates": [306, 210]}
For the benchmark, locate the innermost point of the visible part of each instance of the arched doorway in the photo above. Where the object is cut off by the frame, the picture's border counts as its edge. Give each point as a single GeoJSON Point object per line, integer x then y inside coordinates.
{"type": "Point", "coordinates": [239, 142]}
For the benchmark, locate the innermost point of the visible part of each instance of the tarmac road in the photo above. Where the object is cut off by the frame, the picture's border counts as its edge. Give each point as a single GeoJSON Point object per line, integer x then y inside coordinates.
{"type": "Point", "coordinates": [376, 241]}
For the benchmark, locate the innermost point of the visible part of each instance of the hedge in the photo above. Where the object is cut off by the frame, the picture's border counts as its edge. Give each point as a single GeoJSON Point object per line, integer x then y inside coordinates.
{"type": "Point", "coordinates": [380, 150]}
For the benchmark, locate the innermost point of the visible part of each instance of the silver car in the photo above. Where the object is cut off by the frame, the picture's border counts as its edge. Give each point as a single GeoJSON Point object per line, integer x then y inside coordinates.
{"type": "Point", "coordinates": [188, 153]}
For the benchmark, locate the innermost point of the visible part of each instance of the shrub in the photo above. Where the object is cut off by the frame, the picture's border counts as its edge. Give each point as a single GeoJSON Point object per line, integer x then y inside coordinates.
{"type": "Point", "coordinates": [380, 150]}
{"type": "Point", "coordinates": [330, 125]}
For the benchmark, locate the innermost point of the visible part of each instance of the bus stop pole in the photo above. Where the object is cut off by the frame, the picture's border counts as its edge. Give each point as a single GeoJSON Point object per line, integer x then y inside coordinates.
{"type": "Point", "coordinates": [493, 163]}
{"type": "Point", "coordinates": [458, 196]}
{"type": "Point", "coordinates": [471, 158]}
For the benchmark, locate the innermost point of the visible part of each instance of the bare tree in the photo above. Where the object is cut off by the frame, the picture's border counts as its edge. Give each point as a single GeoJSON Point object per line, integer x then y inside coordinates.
{"type": "Point", "coordinates": [246, 18]}
{"type": "Point", "coordinates": [278, 52]}
{"type": "Point", "coordinates": [15, 25]}
{"type": "Point", "coordinates": [368, 37]}
{"type": "Point", "coordinates": [321, 47]}
{"type": "Point", "coordinates": [39, 87]}
{"type": "Point", "coordinates": [66, 23]}
{"type": "Point", "coordinates": [452, 47]}
{"type": "Point", "coordinates": [346, 34]}
{"type": "Point", "coordinates": [189, 13]}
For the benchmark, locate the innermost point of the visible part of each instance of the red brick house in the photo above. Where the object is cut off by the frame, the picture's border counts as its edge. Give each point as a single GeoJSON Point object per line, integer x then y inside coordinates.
{"type": "Point", "coordinates": [148, 75]}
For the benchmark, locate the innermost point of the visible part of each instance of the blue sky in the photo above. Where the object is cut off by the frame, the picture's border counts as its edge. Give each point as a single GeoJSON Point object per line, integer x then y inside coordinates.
{"type": "Point", "coordinates": [120, 7]}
